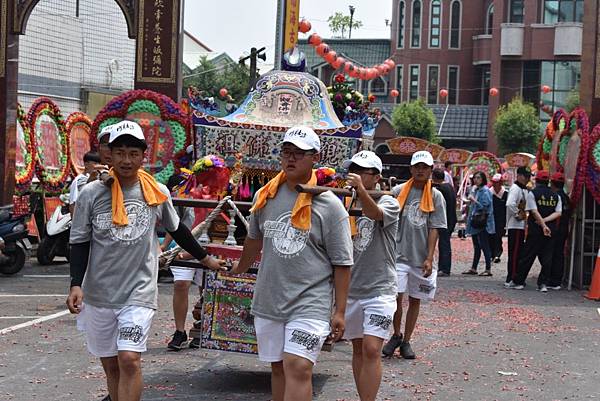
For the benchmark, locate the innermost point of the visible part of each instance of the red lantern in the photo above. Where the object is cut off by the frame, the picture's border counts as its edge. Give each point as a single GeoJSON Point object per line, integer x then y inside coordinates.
{"type": "Point", "coordinates": [354, 72]}
{"type": "Point", "coordinates": [331, 56]}
{"type": "Point", "coordinates": [390, 63]}
{"type": "Point", "coordinates": [304, 26]}
{"type": "Point", "coordinates": [386, 69]}
{"type": "Point", "coordinates": [348, 68]}
{"type": "Point", "coordinates": [322, 49]}
{"type": "Point", "coordinates": [443, 93]}
{"type": "Point", "coordinates": [546, 89]}
{"type": "Point", "coordinates": [493, 91]}
{"type": "Point", "coordinates": [381, 69]}
{"type": "Point", "coordinates": [338, 62]}
{"type": "Point", "coordinates": [394, 93]}
{"type": "Point", "coordinates": [314, 39]}
{"type": "Point", "coordinates": [371, 98]}
{"type": "Point", "coordinates": [223, 92]}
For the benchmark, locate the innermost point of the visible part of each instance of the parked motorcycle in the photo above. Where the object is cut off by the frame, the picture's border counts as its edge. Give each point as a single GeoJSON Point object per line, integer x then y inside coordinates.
{"type": "Point", "coordinates": [14, 241]}
{"type": "Point", "coordinates": [56, 240]}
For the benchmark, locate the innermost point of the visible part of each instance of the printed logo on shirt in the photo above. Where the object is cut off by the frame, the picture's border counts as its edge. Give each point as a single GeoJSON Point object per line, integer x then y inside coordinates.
{"type": "Point", "coordinates": [380, 321]}
{"type": "Point", "coordinates": [426, 288]}
{"type": "Point", "coordinates": [365, 227]}
{"type": "Point", "coordinates": [287, 240]}
{"type": "Point", "coordinates": [415, 215]}
{"type": "Point", "coordinates": [308, 340]}
{"type": "Point", "coordinates": [133, 334]}
{"type": "Point", "coordinates": [138, 215]}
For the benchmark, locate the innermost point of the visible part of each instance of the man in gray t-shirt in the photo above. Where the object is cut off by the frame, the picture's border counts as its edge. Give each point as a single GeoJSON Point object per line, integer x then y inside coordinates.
{"type": "Point", "coordinates": [423, 213]}
{"type": "Point", "coordinates": [372, 296]}
{"type": "Point", "coordinates": [114, 260]}
{"type": "Point", "coordinates": [306, 254]}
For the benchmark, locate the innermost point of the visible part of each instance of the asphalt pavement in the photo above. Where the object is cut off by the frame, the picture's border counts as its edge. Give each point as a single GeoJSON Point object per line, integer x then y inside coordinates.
{"type": "Point", "coordinates": [476, 341]}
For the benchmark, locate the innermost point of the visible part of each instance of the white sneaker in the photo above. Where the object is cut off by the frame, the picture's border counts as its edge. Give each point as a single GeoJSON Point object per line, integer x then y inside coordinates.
{"type": "Point", "coordinates": [510, 284]}
{"type": "Point", "coordinates": [555, 288]}
{"type": "Point", "coordinates": [517, 287]}
{"type": "Point", "coordinates": [543, 288]}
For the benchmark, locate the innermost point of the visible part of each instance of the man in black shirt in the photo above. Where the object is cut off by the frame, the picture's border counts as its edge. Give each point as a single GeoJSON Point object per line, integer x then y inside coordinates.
{"type": "Point", "coordinates": [558, 256]}
{"type": "Point", "coordinates": [500, 195]}
{"type": "Point", "coordinates": [445, 248]}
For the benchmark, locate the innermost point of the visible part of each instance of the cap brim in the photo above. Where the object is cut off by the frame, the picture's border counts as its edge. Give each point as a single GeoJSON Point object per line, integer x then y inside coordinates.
{"type": "Point", "coordinates": [421, 161]}
{"type": "Point", "coordinates": [347, 164]}
{"type": "Point", "coordinates": [102, 135]}
{"type": "Point", "coordinates": [299, 145]}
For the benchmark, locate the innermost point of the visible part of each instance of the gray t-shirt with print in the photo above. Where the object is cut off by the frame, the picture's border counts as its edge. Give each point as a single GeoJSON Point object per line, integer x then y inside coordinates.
{"type": "Point", "coordinates": [413, 232]}
{"type": "Point", "coordinates": [295, 277]}
{"type": "Point", "coordinates": [374, 270]}
{"type": "Point", "coordinates": [123, 264]}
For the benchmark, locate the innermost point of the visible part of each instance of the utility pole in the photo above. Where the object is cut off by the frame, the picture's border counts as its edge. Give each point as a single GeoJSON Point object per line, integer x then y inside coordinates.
{"type": "Point", "coordinates": [351, 17]}
{"type": "Point", "coordinates": [254, 54]}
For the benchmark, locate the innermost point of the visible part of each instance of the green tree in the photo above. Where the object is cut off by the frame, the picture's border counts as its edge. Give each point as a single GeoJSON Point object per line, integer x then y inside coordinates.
{"type": "Point", "coordinates": [339, 23]}
{"type": "Point", "coordinates": [572, 100]}
{"type": "Point", "coordinates": [210, 79]}
{"type": "Point", "coordinates": [517, 127]}
{"type": "Point", "coordinates": [416, 120]}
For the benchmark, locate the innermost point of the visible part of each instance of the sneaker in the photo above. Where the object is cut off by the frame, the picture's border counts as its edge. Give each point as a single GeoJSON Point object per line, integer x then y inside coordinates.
{"type": "Point", "coordinates": [543, 288]}
{"type": "Point", "coordinates": [406, 351]}
{"type": "Point", "coordinates": [497, 259]}
{"type": "Point", "coordinates": [195, 343]}
{"type": "Point", "coordinates": [555, 287]}
{"type": "Point", "coordinates": [179, 340]}
{"type": "Point", "coordinates": [392, 344]}
{"type": "Point", "coordinates": [518, 287]}
{"type": "Point", "coordinates": [443, 274]}
{"type": "Point", "coordinates": [510, 284]}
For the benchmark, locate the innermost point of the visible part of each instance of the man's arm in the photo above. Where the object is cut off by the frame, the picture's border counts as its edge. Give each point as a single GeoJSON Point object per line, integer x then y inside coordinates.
{"type": "Point", "coordinates": [557, 212]}
{"type": "Point", "coordinates": [186, 240]}
{"type": "Point", "coordinates": [341, 283]}
{"type": "Point", "coordinates": [369, 206]}
{"type": "Point", "coordinates": [511, 202]}
{"type": "Point", "coordinates": [80, 254]}
{"type": "Point", "coordinates": [432, 240]}
{"type": "Point", "coordinates": [167, 241]}
{"type": "Point", "coordinates": [252, 248]}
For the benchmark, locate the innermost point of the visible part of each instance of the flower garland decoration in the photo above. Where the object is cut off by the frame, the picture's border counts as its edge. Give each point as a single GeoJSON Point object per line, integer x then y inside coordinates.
{"type": "Point", "coordinates": [166, 127]}
{"type": "Point", "coordinates": [592, 172]}
{"type": "Point", "coordinates": [582, 124]}
{"type": "Point", "coordinates": [326, 177]}
{"type": "Point", "coordinates": [45, 112]}
{"type": "Point", "coordinates": [545, 145]}
{"type": "Point", "coordinates": [350, 106]}
{"type": "Point", "coordinates": [24, 172]}
{"type": "Point", "coordinates": [209, 171]}
{"type": "Point", "coordinates": [75, 124]}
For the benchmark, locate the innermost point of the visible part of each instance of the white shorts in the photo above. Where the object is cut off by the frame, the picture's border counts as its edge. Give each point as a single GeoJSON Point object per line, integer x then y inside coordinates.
{"type": "Point", "coordinates": [411, 279]}
{"type": "Point", "coordinates": [301, 337]}
{"type": "Point", "coordinates": [109, 331]}
{"type": "Point", "coordinates": [373, 317]}
{"type": "Point", "coordinates": [188, 274]}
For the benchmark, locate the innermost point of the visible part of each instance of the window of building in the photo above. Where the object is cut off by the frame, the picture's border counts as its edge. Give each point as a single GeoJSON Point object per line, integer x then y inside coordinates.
{"type": "Point", "coordinates": [399, 81]}
{"type": "Point", "coordinates": [401, 13]}
{"type": "Point", "coordinates": [517, 8]}
{"type": "Point", "coordinates": [415, 33]}
{"type": "Point", "coordinates": [414, 82]}
{"type": "Point", "coordinates": [378, 86]}
{"type": "Point", "coordinates": [453, 84]}
{"type": "Point", "coordinates": [489, 20]}
{"type": "Point", "coordinates": [563, 11]}
{"type": "Point", "coordinates": [455, 17]}
{"type": "Point", "coordinates": [433, 83]}
{"type": "Point", "coordinates": [531, 82]}
{"type": "Point", "coordinates": [563, 77]}
{"type": "Point", "coordinates": [435, 23]}
{"type": "Point", "coordinates": [485, 84]}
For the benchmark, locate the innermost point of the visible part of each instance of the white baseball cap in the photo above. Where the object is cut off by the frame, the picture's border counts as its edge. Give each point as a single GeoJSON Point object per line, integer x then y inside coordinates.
{"type": "Point", "coordinates": [303, 137]}
{"type": "Point", "coordinates": [366, 159]}
{"type": "Point", "coordinates": [421, 156]}
{"type": "Point", "coordinates": [497, 177]}
{"type": "Point", "coordinates": [105, 131]}
{"type": "Point", "coordinates": [126, 128]}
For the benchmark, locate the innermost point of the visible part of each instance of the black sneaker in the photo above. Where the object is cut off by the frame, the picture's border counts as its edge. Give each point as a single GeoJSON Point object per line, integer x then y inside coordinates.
{"type": "Point", "coordinates": [179, 340]}
{"type": "Point", "coordinates": [406, 351]}
{"type": "Point", "coordinates": [195, 343]}
{"type": "Point", "coordinates": [392, 344]}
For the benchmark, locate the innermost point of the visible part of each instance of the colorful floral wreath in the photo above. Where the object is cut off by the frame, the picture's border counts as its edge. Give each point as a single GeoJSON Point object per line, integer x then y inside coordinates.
{"type": "Point", "coordinates": [75, 119]}
{"type": "Point", "coordinates": [582, 123]}
{"type": "Point", "coordinates": [163, 108]}
{"type": "Point", "coordinates": [485, 162]}
{"type": "Point", "coordinates": [326, 177]}
{"type": "Point", "coordinates": [545, 145]}
{"type": "Point", "coordinates": [24, 174]}
{"type": "Point", "coordinates": [52, 182]}
{"type": "Point", "coordinates": [592, 175]}
{"type": "Point", "coordinates": [208, 171]}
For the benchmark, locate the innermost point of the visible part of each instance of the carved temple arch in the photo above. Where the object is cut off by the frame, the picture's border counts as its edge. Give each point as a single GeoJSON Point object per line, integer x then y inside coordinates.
{"type": "Point", "coordinates": [23, 8]}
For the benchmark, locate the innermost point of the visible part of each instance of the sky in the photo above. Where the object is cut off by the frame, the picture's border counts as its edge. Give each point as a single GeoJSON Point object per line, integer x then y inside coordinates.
{"type": "Point", "coordinates": [235, 26]}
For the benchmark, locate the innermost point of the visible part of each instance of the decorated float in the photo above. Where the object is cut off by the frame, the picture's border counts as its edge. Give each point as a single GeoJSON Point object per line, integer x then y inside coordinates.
{"type": "Point", "coordinates": [79, 130]}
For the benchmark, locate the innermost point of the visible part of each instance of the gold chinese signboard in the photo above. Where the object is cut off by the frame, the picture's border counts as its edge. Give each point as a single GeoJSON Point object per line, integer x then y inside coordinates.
{"type": "Point", "coordinates": [158, 30]}
{"type": "Point", "coordinates": [292, 9]}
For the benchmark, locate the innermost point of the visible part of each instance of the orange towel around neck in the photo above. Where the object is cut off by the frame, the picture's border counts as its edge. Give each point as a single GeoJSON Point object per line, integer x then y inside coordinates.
{"type": "Point", "coordinates": [301, 212]}
{"type": "Point", "coordinates": [152, 195]}
{"type": "Point", "coordinates": [353, 226]}
{"type": "Point", "coordinates": [426, 198]}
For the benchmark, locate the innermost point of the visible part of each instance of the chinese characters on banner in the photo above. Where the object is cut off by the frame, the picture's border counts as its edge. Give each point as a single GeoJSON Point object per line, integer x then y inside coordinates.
{"type": "Point", "coordinates": [292, 9]}
{"type": "Point", "coordinates": [157, 40]}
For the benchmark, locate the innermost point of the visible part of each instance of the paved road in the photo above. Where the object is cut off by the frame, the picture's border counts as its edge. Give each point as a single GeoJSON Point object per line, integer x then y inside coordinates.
{"type": "Point", "coordinates": [546, 346]}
